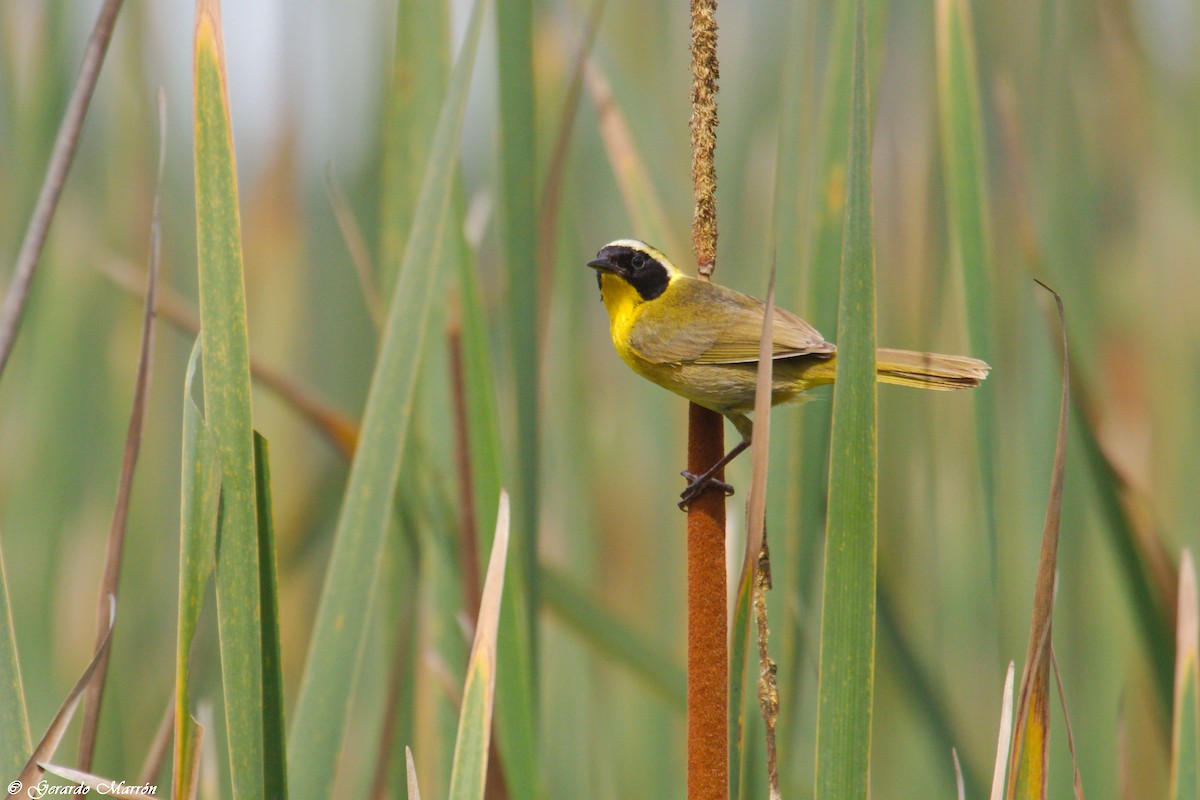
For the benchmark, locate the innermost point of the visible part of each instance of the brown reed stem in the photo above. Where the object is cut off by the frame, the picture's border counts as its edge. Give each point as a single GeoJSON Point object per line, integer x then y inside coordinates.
{"type": "Point", "coordinates": [468, 549]}
{"type": "Point", "coordinates": [115, 544]}
{"type": "Point", "coordinates": [708, 639]}
{"type": "Point", "coordinates": [56, 177]}
{"type": "Point", "coordinates": [708, 648]}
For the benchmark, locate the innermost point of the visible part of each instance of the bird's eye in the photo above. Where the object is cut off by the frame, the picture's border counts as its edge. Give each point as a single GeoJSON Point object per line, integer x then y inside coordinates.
{"type": "Point", "coordinates": [638, 260]}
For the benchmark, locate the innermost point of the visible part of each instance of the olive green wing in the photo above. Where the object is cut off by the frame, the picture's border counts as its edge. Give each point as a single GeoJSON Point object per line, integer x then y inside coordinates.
{"type": "Point", "coordinates": [702, 323]}
{"type": "Point", "coordinates": [738, 341]}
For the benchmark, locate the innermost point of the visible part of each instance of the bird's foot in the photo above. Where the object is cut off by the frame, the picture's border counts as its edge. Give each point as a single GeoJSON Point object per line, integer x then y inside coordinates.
{"type": "Point", "coordinates": [698, 484]}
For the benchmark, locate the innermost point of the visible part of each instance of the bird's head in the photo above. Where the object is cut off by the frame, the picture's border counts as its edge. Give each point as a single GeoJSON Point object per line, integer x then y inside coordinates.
{"type": "Point", "coordinates": [633, 264]}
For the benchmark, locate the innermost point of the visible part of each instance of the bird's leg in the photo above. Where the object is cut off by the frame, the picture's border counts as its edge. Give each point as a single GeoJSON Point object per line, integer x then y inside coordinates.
{"type": "Point", "coordinates": [697, 484]}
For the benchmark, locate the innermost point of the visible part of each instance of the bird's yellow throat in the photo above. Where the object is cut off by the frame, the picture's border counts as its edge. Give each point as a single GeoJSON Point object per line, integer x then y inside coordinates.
{"type": "Point", "coordinates": [622, 302]}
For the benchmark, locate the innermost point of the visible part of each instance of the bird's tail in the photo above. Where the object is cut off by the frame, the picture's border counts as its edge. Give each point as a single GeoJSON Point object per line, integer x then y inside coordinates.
{"type": "Point", "coordinates": [929, 370]}
{"type": "Point", "coordinates": [909, 368]}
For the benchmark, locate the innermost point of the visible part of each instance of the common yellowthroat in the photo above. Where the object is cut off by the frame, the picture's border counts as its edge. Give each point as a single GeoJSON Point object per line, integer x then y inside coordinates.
{"type": "Point", "coordinates": [701, 341]}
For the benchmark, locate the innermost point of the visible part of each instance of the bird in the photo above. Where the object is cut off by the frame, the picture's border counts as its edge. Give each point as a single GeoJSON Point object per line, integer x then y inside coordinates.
{"type": "Point", "coordinates": [701, 341]}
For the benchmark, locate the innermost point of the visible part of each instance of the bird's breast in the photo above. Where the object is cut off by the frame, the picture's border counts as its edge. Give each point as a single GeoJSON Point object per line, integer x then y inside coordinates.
{"type": "Point", "coordinates": [623, 305]}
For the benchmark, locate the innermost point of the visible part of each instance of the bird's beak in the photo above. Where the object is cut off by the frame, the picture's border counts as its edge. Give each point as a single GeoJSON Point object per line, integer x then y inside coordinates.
{"type": "Point", "coordinates": [602, 264]}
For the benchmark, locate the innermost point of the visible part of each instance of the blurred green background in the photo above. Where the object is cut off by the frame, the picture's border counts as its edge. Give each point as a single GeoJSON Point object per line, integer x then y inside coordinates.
{"type": "Point", "coordinates": [1089, 113]}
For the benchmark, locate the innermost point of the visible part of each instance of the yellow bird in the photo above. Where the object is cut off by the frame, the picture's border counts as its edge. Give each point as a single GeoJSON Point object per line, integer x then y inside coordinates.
{"type": "Point", "coordinates": [701, 341]}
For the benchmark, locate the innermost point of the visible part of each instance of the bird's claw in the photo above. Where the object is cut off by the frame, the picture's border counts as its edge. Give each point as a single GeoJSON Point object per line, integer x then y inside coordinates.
{"type": "Point", "coordinates": [697, 485]}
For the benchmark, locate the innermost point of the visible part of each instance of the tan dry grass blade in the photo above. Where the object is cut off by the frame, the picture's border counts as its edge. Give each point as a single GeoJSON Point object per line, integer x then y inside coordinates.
{"type": "Point", "coordinates": [1030, 748]}
{"type": "Point", "coordinates": [752, 586]}
{"type": "Point", "coordinates": [32, 771]}
{"type": "Point", "coordinates": [104, 786]}
{"type": "Point", "coordinates": [1004, 740]}
{"type": "Point", "coordinates": [469, 772]}
{"type": "Point", "coordinates": [1185, 756]}
{"type": "Point", "coordinates": [756, 502]}
{"type": "Point", "coordinates": [758, 561]}
{"type": "Point", "coordinates": [958, 778]}
{"type": "Point", "coordinates": [414, 791]}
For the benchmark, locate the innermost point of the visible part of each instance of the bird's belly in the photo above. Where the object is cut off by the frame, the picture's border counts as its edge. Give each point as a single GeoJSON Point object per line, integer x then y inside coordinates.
{"type": "Point", "coordinates": [725, 388]}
